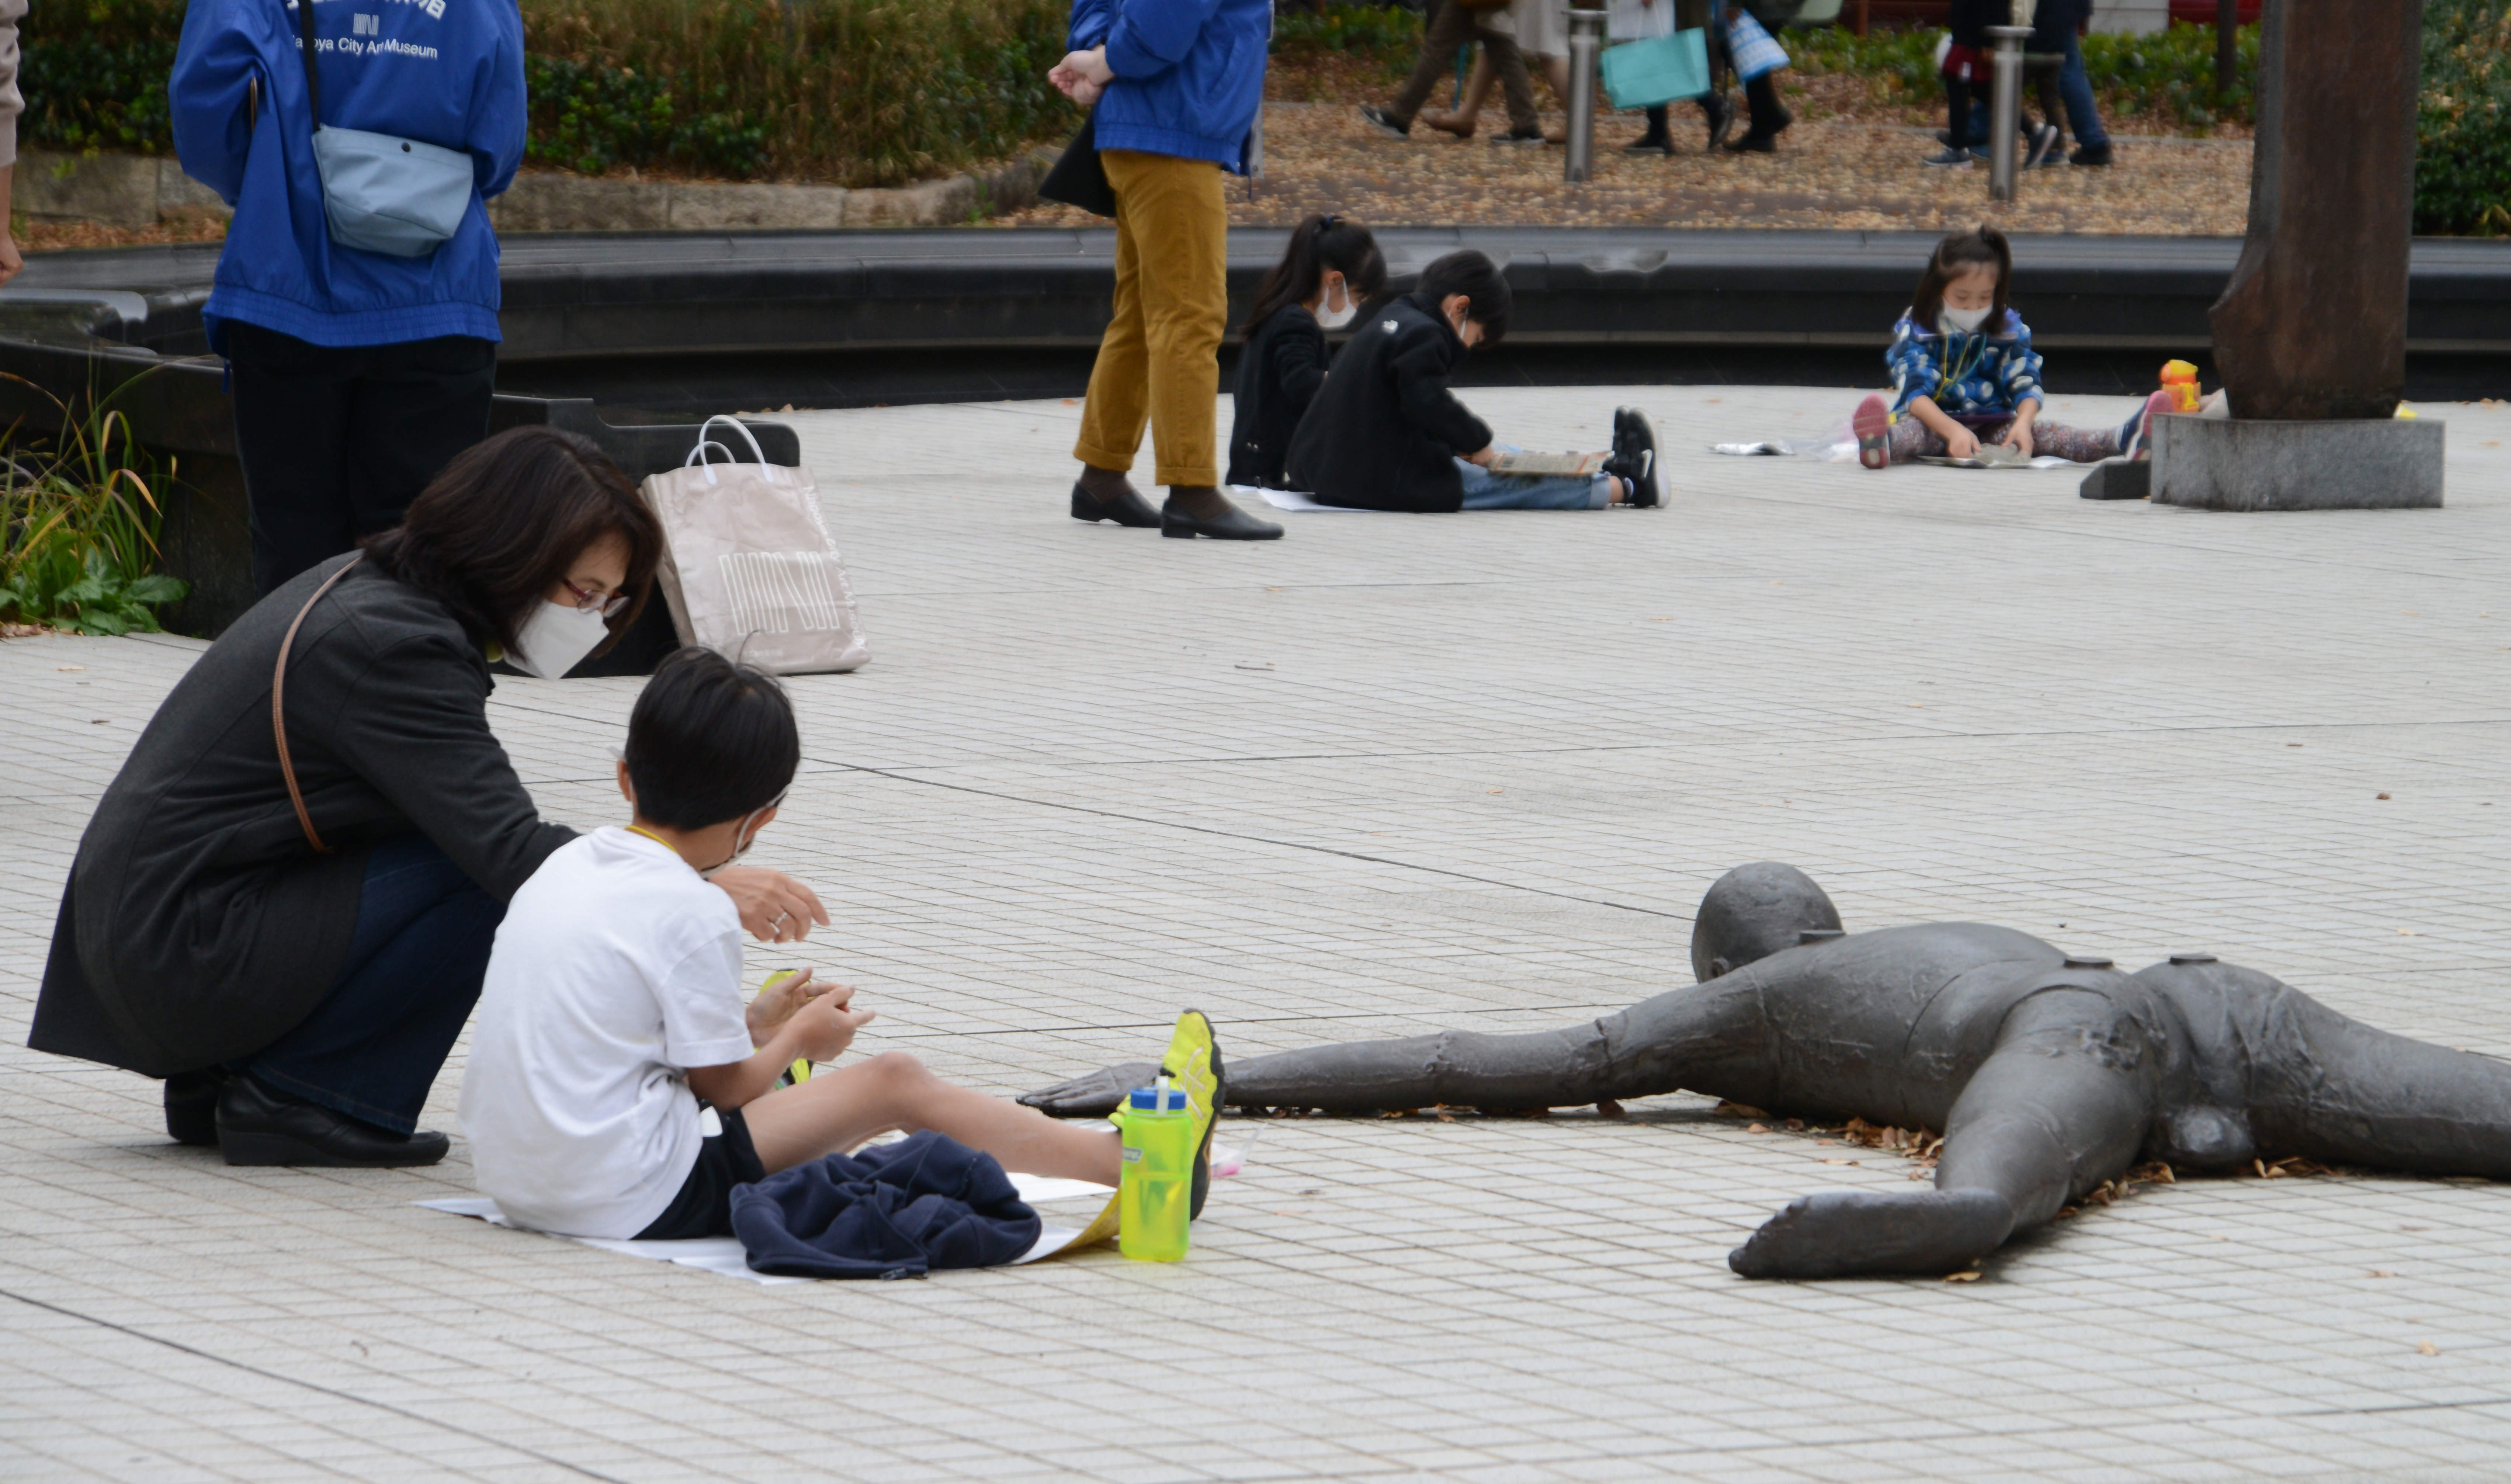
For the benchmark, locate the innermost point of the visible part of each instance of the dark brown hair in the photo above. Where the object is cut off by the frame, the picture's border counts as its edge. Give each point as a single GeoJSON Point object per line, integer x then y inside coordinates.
{"type": "Point", "coordinates": [1953, 256]}
{"type": "Point", "coordinates": [497, 529]}
{"type": "Point", "coordinates": [1318, 244]}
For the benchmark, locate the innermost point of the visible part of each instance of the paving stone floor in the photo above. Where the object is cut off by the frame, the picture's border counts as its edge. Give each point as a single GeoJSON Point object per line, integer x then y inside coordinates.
{"type": "Point", "coordinates": [1394, 773]}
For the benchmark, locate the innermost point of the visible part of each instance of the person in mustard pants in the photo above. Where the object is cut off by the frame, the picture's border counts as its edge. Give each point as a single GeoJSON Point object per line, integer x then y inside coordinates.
{"type": "Point", "coordinates": [1174, 85]}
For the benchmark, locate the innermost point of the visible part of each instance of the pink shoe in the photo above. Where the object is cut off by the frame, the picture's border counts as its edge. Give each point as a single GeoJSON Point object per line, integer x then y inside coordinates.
{"type": "Point", "coordinates": [2135, 432]}
{"type": "Point", "coordinates": [1872, 425]}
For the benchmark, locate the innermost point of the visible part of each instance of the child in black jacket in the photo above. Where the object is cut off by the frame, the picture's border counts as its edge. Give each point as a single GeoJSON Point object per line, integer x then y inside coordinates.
{"type": "Point", "coordinates": [1332, 269]}
{"type": "Point", "coordinates": [1385, 433]}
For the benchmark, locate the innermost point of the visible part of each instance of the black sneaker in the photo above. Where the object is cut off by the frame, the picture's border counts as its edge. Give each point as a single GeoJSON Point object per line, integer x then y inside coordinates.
{"type": "Point", "coordinates": [1650, 144]}
{"type": "Point", "coordinates": [2044, 145]}
{"type": "Point", "coordinates": [1953, 156]}
{"type": "Point", "coordinates": [1532, 136]}
{"type": "Point", "coordinates": [1635, 457]}
{"type": "Point", "coordinates": [1384, 122]}
{"type": "Point", "coordinates": [1721, 115]}
{"type": "Point", "coordinates": [1754, 144]}
{"type": "Point", "coordinates": [2091, 154]}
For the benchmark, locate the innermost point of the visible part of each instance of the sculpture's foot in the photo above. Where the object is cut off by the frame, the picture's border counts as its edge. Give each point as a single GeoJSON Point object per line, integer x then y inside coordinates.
{"type": "Point", "coordinates": [1093, 1095]}
{"type": "Point", "coordinates": [1843, 1233]}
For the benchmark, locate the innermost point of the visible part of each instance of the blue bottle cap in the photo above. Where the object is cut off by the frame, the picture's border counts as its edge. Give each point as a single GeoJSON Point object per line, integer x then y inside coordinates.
{"type": "Point", "coordinates": [1148, 1100]}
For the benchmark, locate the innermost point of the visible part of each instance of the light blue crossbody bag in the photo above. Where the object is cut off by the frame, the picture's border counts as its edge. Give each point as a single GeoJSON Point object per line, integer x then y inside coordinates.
{"type": "Point", "coordinates": [381, 192]}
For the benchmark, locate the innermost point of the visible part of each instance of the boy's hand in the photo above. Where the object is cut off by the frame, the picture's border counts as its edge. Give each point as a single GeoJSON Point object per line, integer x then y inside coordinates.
{"type": "Point", "coordinates": [774, 907]}
{"type": "Point", "coordinates": [1960, 442]}
{"type": "Point", "coordinates": [823, 1028]}
{"type": "Point", "coordinates": [775, 1004]}
{"type": "Point", "coordinates": [1487, 457]}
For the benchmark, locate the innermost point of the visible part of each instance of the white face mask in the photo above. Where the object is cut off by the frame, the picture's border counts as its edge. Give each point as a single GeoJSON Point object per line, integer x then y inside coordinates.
{"type": "Point", "coordinates": [554, 638]}
{"type": "Point", "coordinates": [743, 837]}
{"type": "Point", "coordinates": [1331, 318]}
{"type": "Point", "coordinates": [1963, 320]}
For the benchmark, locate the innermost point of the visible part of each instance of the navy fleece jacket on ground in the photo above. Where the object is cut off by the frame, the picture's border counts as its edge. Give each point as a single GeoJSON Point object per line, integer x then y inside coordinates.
{"type": "Point", "coordinates": [892, 1210]}
{"type": "Point", "coordinates": [1189, 73]}
{"type": "Point", "coordinates": [446, 72]}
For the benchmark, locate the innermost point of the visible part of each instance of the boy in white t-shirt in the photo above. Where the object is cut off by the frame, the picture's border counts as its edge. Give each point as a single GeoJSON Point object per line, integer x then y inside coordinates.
{"type": "Point", "coordinates": [618, 1086]}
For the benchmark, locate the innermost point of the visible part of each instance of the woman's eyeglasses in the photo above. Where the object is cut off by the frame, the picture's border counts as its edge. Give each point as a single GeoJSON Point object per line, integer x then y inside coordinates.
{"type": "Point", "coordinates": [608, 604]}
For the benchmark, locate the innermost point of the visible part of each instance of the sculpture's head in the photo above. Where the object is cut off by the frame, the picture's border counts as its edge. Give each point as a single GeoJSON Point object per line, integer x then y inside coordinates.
{"type": "Point", "coordinates": [1753, 911]}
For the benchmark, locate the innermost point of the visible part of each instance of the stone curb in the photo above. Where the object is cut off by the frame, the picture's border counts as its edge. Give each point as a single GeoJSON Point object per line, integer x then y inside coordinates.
{"type": "Point", "coordinates": [127, 191]}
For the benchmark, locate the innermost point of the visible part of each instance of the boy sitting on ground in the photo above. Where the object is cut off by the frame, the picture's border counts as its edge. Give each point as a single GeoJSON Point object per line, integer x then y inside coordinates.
{"type": "Point", "coordinates": [1384, 433]}
{"type": "Point", "coordinates": [618, 1087]}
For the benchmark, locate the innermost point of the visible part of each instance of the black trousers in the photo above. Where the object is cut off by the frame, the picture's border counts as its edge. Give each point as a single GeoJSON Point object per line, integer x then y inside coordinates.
{"type": "Point", "coordinates": [336, 440]}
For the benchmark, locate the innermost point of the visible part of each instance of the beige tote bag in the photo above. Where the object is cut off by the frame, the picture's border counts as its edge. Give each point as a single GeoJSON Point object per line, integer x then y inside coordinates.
{"type": "Point", "coordinates": [748, 566]}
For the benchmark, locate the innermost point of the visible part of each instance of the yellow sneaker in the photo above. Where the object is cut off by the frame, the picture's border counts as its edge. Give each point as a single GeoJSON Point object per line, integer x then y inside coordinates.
{"type": "Point", "coordinates": [1193, 1065]}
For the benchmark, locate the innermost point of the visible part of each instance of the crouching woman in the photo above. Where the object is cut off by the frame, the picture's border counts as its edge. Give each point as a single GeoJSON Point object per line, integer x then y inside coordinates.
{"type": "Point", "coordinates": [283, 903]}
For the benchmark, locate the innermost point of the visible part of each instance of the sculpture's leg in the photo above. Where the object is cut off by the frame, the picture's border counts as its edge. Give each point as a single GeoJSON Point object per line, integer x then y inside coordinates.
{"type": "Point", "coordinates": [2061, 1106]}
{"type": "Point", "coordinates": [1711, 1037]}
{"type": "Point", "coordinates": [2336, 1089]}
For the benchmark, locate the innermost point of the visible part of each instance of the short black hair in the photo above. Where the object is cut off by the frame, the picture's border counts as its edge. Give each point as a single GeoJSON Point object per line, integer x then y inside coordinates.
{"type": "Point", "coordinates": [709, 741]}
{"type": "Point", "coordinates": [1479, 280]}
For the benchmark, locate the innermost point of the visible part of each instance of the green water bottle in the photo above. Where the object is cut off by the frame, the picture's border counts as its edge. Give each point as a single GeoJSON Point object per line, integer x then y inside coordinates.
{"type": "Point", "coordinates": [1157, 1181]}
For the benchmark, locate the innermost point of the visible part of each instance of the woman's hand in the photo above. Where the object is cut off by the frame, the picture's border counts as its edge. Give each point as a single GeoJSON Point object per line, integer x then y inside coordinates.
{"type": "Point", "coordinates": [774, 907]}
{"type": "Point", "coordinates": [1082, 76]}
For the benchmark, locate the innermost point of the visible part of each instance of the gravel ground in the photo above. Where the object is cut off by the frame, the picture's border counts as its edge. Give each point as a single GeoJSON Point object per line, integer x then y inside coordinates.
{"type": "Point", "coordinates": [1828, 173]}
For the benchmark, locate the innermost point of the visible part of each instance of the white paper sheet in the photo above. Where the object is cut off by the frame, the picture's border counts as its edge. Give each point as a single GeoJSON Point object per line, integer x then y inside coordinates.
{"type": "Point", "coordinates": [723, 1254]}
{"type": "Point", "coordinates": [1292, 499]}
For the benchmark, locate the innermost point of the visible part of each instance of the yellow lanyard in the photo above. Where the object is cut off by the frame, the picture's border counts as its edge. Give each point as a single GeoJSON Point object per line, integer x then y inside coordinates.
{"type": "Point", "coordinates": [1962, 369]}
{"type": "Point", "coordinates": [656, 839]}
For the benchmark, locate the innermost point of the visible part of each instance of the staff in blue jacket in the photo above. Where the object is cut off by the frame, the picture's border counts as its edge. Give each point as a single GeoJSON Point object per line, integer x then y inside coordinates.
{"type": "Point", "coordinates": [1176, 84]}
{"type": "Point", "coordinates": [357, 375]}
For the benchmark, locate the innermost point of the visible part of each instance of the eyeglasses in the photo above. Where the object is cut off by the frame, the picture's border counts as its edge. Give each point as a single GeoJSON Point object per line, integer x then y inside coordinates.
{"type": "Point", "coordinates": [608, 604]}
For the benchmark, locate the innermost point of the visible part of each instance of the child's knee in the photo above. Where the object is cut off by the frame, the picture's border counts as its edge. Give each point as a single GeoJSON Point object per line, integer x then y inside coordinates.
{"type": "Point", "coordinates": [898, 1073]}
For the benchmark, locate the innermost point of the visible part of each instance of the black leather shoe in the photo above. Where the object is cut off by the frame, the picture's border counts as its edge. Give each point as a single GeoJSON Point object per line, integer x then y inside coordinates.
{"type": "Point", "coordinates": [1128, 508]}
{"type": "Point", "coordinates": [192, 1106]}
{"type": "Point", "coordinates": [1720, 115]}
{"type": "Point", "coordinates": [259, 1126]}
{"type": "Point", "coordinates": [1236, 526]}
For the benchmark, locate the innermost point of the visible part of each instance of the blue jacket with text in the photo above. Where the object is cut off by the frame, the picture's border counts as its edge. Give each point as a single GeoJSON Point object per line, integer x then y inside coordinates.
{"type": "Point", "coordinates": [447, 72]}
{"type": "Point", "coordinates": [1189, 73]}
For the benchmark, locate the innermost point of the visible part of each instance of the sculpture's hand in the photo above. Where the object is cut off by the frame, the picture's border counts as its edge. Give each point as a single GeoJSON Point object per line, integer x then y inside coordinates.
{"type": "Point", "coordinates": [1094, 1095]}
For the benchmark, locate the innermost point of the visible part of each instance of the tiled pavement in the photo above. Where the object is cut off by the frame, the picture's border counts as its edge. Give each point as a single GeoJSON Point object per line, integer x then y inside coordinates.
{"type": "Point", "coordinates": [1387, 774]}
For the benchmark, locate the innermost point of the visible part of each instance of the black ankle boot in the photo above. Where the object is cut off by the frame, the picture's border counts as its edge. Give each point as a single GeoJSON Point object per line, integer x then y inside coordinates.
{"type": "Point", "coordinates": [1193, 513]}
{"type": "Point", "coordinates": [259, 1126]}
{"type": "Point", "coordinates": [1123, 504]}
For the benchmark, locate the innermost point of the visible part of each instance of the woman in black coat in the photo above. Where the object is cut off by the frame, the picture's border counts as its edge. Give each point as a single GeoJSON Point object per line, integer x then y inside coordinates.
{"type": "Point", "coordinates": [1332, 269]}
{"type": "Point", "coordinates": [293, 933]}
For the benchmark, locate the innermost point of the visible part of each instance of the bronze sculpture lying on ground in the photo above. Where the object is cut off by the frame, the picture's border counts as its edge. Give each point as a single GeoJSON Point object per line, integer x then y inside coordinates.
{"type": "Point", "coordinates": [2049, 1075]}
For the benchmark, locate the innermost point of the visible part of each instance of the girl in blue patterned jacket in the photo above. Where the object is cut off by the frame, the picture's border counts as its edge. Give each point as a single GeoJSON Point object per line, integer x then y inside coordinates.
{"type": "Point", "coordinates": [1964, 373]}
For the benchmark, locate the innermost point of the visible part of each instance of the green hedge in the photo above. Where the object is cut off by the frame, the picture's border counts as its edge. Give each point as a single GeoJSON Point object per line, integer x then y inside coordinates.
{"type": "Point", "coordinates": [857, 92]}
{"type": "Point", "coordinates": [883, 92]}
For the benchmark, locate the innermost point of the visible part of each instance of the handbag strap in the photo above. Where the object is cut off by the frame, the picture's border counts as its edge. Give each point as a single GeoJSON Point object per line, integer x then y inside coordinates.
{"type": "Point", "coordinates": [278, 684]}
{"type": "Point", "coordinates": [314, 102]}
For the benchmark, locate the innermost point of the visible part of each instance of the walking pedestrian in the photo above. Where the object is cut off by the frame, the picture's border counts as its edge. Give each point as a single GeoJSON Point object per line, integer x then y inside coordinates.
{"type": "Point", "coordinates": [1452, 26]}
{"type": "Point", "coordinates": [1175, 86]}
{"type": "Point", "coordinates": [359, 373]}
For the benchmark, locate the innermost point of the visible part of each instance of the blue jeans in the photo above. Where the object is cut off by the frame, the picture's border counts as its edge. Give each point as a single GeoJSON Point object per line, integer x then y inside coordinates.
{"type": "Point", "coordinates": [1485, 490]}
{"type": "Point", "coordinates": [373, 1044]}
{"type": "Point", "coordinates": [2077, 90]}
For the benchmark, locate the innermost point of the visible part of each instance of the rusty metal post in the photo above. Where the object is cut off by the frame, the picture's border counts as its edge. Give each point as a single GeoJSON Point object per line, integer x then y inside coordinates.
{"type": "Point", "coordinates": [2313, 323]}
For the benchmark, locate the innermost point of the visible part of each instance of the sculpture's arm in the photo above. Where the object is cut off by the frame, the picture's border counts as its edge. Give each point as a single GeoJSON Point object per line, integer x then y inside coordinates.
{"type": "Point", "coordinates": [1712, 1037]}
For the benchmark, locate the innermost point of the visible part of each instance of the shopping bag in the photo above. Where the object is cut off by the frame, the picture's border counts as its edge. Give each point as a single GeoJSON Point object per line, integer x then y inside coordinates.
{"type": "Point", "coordinates": [1642, 74]}
{"type": "Point", "coordinates": [748, 568]}
{"type": "Point", "coordinates": [1750, 44]}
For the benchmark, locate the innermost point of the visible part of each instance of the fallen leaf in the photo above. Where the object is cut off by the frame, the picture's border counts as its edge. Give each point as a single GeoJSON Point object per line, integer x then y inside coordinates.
{"type": "Point", "coordinates": [2382, 1272]}
{"type": "Point", "coordinates": [1796, 1125]}
{"type": "Point", "coordinates": [1272, 590]}
{"type": "Point", "coordinates": [1739, 1110]}
{"type": "Point", "coordinates": [2381, 796]}
{"type": "Point", "coordinates": [1756, 1129]}
{"type": "Point", "coordinates": [1971, 1276]}
{"type": "Point", "coordinates": [1492, 790]}
{"type": "Point", "coordinates": [1610, 1109]}
{"type": "Point", "coordinates": [1662, 619]}
{"type": "Point", "coordinates": [2406, 932]}
{"type": "Point", "coordinates": [1918, 705]}
{"type": "Point", "coordinates": [1837, 1161]}
{"type": "Point", "coordinates": [2427, 1349]}
{"type": "Point", "coordinates": [68, 668]}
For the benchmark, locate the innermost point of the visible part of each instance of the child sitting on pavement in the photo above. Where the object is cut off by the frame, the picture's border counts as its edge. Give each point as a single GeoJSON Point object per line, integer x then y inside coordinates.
{"type": "Point", "coordinates": [618, 1087]}
{"type": "Point", "coordinates": [1332, 269]}
{"type": "Point", "coordinates": [1964, 373]}
{"type": "Point", "coordinates": [1385, 433]}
